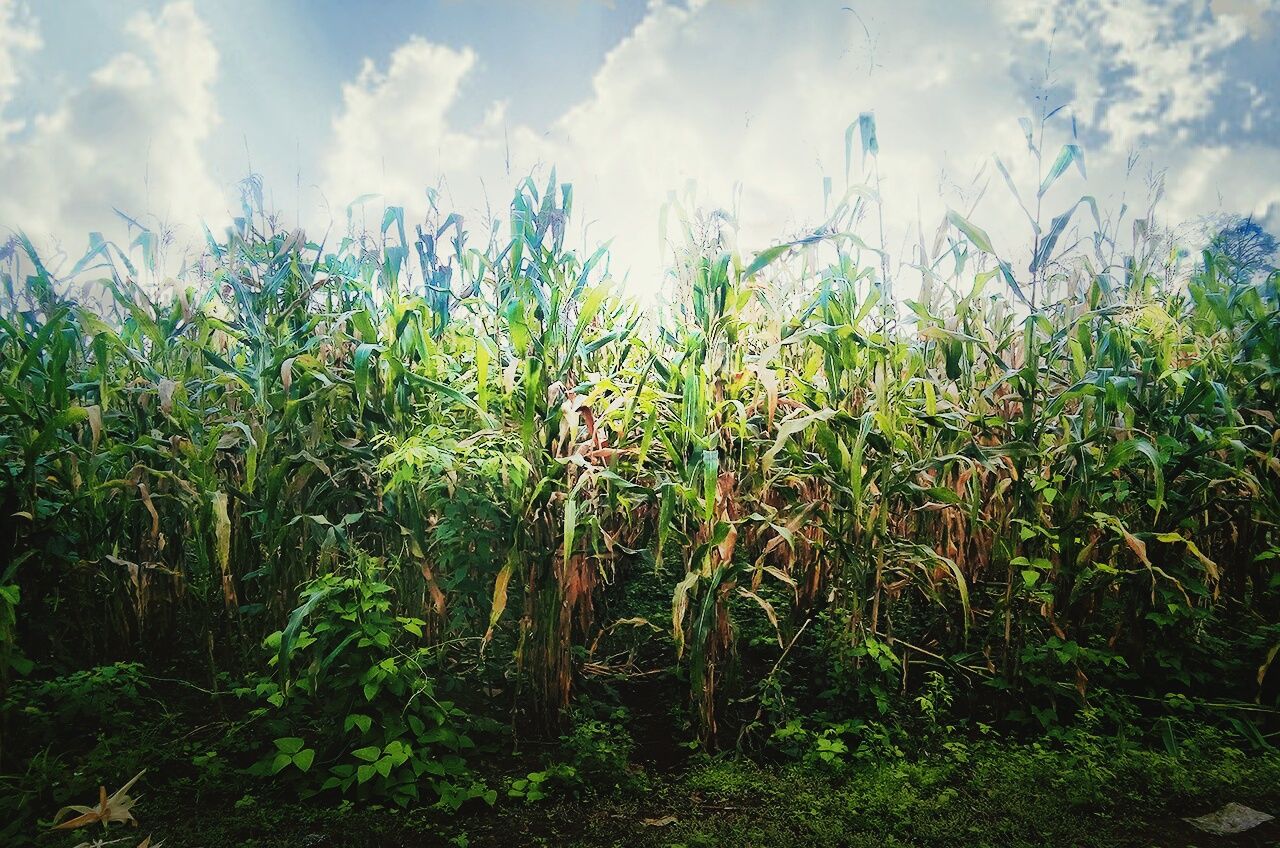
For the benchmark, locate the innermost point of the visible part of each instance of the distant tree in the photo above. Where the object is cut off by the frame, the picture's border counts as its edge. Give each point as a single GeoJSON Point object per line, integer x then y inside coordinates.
{"type": "Point", "coordinates": [1250, 248]}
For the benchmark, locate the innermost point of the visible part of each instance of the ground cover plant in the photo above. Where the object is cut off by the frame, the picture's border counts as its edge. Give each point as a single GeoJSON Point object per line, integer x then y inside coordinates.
{"type": "Point", "coordinates": [433, 518]}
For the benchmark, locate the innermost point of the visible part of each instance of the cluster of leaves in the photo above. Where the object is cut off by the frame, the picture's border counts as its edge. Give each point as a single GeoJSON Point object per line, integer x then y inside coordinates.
{"type": "Point", "coordinates": [1045, 486]}
{"type": "Point", "coordinates": [355, 695]}
{"type": "Point", "coordinates": [84, 703]}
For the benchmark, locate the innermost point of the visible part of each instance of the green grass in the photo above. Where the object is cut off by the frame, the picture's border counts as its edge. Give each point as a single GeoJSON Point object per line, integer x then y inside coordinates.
{"type": "Point", "coordinates": [1077, 786]}
{"type": "Point", "coordinates": [1004, 794]}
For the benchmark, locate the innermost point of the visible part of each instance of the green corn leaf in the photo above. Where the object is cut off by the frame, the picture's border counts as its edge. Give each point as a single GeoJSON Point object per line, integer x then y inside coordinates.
{"type": "Point", "coordinates": [972, 232]}
{"type": "Point", "coordinates": [362, 365]}
{"type": "Point", "coordinates": [1069, 153]}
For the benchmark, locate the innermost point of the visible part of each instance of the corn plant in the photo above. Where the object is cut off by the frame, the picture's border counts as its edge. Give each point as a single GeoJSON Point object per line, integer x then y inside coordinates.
{"type": "Point", "coordinates": [1040, 484]}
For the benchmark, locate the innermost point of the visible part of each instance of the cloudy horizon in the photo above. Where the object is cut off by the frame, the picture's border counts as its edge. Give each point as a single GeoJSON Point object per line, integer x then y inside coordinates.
{"type": "Point", "coordinates": [161, 112]}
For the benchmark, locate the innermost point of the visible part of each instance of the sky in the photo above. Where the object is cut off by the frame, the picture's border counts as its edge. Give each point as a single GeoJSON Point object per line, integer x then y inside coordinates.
{"type": "Point", "coordinates": [160, 109]}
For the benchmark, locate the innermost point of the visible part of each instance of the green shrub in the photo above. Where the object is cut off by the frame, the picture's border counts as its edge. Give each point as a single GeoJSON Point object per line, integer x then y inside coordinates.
{"type": "Point", "coordinates": [353, 707]}
{"type": "Point", "coordinates": [83, 703]}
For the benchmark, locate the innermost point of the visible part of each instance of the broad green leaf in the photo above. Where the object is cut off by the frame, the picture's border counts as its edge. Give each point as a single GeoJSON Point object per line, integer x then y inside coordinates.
{"type": "Point", "coordinates": [289, 745]}
{"type": "Point", "coordinates": [369, 754]}
{"type": "Point", "coordinates": [789, 428]}
{"type": "Point", "coordinates": [973, 233]}
{"type": "Point", "coordinates": [1069, 153]}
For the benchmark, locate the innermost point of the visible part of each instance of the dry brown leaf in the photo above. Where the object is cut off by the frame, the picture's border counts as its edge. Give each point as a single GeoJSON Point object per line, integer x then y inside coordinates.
{"type": "Point", "coordinates": [118, 807]}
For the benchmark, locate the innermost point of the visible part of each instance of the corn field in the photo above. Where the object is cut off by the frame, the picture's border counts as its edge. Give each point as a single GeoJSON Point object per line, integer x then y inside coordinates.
{"type": "Point", "coordinates": [1050, 488]}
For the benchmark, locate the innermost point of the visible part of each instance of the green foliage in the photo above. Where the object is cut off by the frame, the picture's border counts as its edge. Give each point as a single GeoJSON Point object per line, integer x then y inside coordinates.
{"type": "Point", "coordinates": [11, 658]}
{"type": "Point", "coordinates": [1085, 790]}
{"type": "Point", "coordinates": [600, 752]}
{"type": "Point", "coordinates": [597, 761]}
{"type": "Point", "coordinates": [834, 746]}
{"type": "Point", "coordinates": [83, 703]}
{"type": "Point", "coordinates": [356, 696]}
{"type": "Point", "coordinates": [539, 785]}
{"type": "Point", "coordinates": [1016, 498]}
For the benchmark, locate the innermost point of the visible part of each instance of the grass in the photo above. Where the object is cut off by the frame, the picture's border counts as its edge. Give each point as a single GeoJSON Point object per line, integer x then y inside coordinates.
{"type": "Point", "coordinates": [1083, 786]}
{"type": "Point", "coordinates": [996, 793]}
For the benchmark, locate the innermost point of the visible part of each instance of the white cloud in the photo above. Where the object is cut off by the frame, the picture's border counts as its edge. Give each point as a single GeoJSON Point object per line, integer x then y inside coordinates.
{"type": "Point", "coordinates": [1149, 82]}
{"type": "Point", "coordinates": [1216, 179]}
{"type": "Point", "coordinates": [130, 137]}
{"type": "Point", "coordinates": [1141, 69]}
{"type": "Point", "coordinates": [751, 100]}
{"type": "Point", "coordinates": [18, 35]}
{"type": "Point", "coordinates": [392, 134]}
{"type": "Point", "coordinates": [1252, 14]}
{"type": "Point", "coordinates": [749, 95]}
{"type": "Point", "coordinates": [761, 94]}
